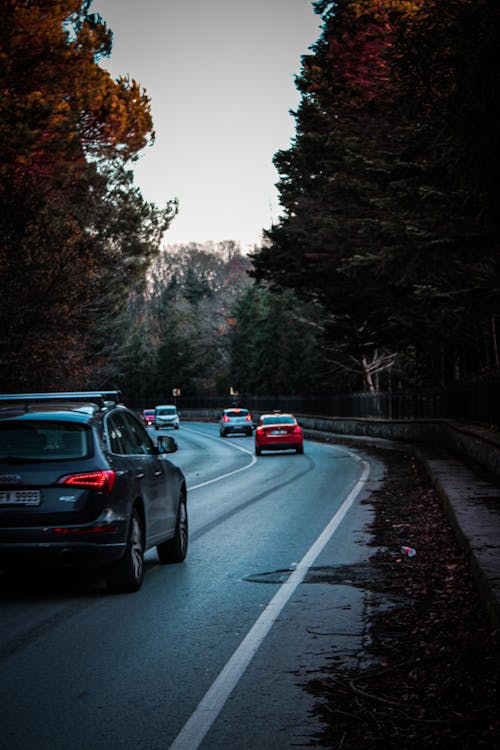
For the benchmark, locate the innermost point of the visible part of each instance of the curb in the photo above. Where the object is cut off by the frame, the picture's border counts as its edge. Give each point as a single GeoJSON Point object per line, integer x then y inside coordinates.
{"type": "Point", "coordinates": [471, 500]}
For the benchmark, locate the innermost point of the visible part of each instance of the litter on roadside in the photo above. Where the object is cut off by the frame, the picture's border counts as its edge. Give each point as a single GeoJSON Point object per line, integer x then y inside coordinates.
{"type": "Point", "coordinates": [408, 551]}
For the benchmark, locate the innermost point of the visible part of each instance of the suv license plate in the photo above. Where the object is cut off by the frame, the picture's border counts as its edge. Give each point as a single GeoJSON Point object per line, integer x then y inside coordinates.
{"type": "Point", "coordinates": [20, 497]}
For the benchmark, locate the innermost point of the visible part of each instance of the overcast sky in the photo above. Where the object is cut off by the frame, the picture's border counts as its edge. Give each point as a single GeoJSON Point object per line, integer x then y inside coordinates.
{"type": "Point", "coordinates": [220, 75]}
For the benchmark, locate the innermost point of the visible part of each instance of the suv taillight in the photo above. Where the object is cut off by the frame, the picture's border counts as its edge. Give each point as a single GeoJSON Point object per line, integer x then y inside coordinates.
{"type": "Point", "coordinates": [100, 481]}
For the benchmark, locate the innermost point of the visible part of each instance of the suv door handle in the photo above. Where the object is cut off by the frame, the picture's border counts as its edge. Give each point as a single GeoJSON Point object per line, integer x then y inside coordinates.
{"type": "Point", "coordinates": [140, 475]}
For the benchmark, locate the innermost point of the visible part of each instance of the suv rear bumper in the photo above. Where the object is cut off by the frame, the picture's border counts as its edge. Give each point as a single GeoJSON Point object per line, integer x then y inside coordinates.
{"type": "Point", "coordinates": [60, 554]}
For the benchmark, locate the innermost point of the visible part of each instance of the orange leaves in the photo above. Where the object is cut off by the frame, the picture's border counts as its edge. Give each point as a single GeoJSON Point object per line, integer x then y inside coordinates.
{"type": "Point", "coordinates": [120, 115]}
{"type": "Point", "coordinates": [54, 92]}
{"type": "Point", "coordinates": [76, 235]}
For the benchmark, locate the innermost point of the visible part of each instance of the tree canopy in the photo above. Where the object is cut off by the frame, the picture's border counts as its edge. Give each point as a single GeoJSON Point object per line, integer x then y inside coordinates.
{"type": "Point", "coordinates": [385, 259]}
{"type": "Point", "coordinates": [75, 234]}
{"type": "Point", "coordinates": [390, 185]}
{"type": "Point", "coordinates": [180, 324]}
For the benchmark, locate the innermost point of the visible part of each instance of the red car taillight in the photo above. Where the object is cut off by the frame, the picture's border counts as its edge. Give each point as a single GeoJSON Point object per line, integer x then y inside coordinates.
{"type": "Point", "coordinates": [248, 417]}
{"type": "Point", "coordinates": [297, 430]}
{"type": "Point", "coordinates": [100, 481]}
{"type": "Point", "coordinates": [259, 431]}
{"type": "Point", "coordinates": [226, 418]}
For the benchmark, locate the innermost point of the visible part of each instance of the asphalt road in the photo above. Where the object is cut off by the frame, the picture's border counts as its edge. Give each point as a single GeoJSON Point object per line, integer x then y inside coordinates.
{"type": "Point", "coordinates": [212, 653]}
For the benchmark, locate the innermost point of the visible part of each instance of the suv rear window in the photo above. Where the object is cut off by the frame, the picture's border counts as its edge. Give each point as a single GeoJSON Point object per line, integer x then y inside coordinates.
{"type": "Point", "coordinates": [44, 441]}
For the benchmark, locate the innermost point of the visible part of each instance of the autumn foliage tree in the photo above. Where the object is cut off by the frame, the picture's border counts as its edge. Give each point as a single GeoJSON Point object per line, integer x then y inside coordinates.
{"type": "Point", "coordinates": [75, 234]}
{"type": "Point", "coordinates": [390, 185]}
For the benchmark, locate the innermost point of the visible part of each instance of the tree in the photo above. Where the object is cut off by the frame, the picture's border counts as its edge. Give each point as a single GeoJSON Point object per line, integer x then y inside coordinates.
{"type": "Point", "coordinates": [183, 320]}
{"type": "Point", "coordinates": [275, 345]}
{"type": "Point", "coordinates": [386, 224]}
{"type": "Point", "coordinates": [75, 236]}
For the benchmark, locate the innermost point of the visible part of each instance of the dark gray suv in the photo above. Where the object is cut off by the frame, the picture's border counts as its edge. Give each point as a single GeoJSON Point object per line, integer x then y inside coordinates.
{"type": "Point", "coordinates": [82, 483]}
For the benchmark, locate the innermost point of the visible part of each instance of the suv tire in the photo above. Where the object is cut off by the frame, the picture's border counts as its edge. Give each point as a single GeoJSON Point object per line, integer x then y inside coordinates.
{"type": "Point", "coordinates": [174, 550]}
{"type": "Point", "coordinates": [126, 575]}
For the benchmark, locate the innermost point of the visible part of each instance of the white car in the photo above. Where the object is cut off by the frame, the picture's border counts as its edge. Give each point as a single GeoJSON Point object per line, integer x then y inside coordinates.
{"type": "Point", "coordinates": [235, 420]}
{"type": "Point", "coordinates": [166, 416]}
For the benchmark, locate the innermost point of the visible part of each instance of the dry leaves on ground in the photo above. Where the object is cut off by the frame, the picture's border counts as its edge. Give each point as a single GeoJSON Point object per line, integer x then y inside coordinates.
{"type": "Point", "coordinates": [429, 677]}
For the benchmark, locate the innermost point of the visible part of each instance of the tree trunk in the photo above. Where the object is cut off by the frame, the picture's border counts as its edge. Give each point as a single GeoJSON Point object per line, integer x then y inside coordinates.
{"type": "Point", "coordinates": [367, 375]}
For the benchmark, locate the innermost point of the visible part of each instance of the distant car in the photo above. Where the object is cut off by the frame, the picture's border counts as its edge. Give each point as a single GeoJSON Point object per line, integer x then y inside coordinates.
{"type": "Point", "coordinates": [235, 420]}
{"type": "Point", "coordinates": [82, 483]}
{"type": "Point", "coordinates": [277, 432]}
{"type": "Point", "coordinates": [148, 417]}
{"type": "Point", "coordinates": [166, 415]}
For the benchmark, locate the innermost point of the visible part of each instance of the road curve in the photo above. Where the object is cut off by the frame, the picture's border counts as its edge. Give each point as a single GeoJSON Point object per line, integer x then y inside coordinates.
{"type": "Point", "coordinates": [211, 653]}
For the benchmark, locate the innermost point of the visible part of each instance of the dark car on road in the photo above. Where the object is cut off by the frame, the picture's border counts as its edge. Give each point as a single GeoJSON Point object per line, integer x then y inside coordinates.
{"type": "Point", "coordinates": [82, 483]}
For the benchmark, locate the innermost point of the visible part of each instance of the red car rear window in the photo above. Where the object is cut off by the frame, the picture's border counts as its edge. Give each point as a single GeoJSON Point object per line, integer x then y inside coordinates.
{"type": "Point", "coordinates": [278, 420]}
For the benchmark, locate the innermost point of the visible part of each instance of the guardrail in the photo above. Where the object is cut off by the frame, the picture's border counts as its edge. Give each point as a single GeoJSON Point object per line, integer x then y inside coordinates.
{"type": "Point", "coordinates": [476, 401]}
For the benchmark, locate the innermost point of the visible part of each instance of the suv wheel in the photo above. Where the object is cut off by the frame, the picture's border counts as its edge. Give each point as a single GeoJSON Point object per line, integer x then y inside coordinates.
{"type": "Point", "coordinates": [127, 574]}
{"type": "Point", "coordinates": [174, 550]}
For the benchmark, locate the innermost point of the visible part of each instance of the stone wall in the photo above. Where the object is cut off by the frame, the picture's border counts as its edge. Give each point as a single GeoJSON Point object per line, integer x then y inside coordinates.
{"type": "Point", "coordinates": [477, 444]}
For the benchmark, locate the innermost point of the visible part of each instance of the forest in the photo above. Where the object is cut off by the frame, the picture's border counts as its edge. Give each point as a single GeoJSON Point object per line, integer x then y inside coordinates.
{"type": "Point", "coordinates": [381, 272]}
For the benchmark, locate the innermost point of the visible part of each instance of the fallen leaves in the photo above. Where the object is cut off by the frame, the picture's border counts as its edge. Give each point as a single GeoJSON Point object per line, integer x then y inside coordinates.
{"type": "Point", "coordinates": [435, 683]}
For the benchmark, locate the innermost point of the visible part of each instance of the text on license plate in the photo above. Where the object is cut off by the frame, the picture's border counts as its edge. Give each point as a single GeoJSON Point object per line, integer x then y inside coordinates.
{"type": "Point", "coordinates": [20, 497]}
{"type": "Point", "coordinates": [278, 432]}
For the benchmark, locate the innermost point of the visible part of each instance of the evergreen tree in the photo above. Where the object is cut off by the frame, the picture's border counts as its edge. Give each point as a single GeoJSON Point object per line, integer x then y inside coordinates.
{"type": "Point", "coordinates": [275, 345]}
{"type": "Point", "coordinates": [386, 223]}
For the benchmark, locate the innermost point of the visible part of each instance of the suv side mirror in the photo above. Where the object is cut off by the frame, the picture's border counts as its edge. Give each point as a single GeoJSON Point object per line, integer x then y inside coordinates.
{"type": "Point", "coordinates": [167, 444]}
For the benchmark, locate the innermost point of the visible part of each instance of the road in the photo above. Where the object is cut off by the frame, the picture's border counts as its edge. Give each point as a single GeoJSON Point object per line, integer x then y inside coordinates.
{"type": "Point", "coordinates": [212, 653]}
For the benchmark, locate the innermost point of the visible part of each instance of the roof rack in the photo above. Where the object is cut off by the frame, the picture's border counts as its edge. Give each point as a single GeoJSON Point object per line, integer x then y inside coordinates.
{"type": "Point", "coordinates": [101, 398]}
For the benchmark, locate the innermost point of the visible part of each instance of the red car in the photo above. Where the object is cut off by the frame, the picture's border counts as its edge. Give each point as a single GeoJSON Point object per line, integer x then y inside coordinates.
{"type": "Point", "coordinates": [278, 432]}
{"type": "Point", "coordinates": [148, 417]}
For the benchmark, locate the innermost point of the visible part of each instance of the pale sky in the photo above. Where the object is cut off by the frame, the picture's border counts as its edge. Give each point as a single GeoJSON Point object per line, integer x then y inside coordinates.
{"type": "Point", "coordinates": [220, 76]}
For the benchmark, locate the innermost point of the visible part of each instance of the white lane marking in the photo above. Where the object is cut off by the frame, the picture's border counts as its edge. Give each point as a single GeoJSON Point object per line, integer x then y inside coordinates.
{"type": "Point", "coordinates": [230, 473]}
{"type": "Point", "coordinates": [191, 735]}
